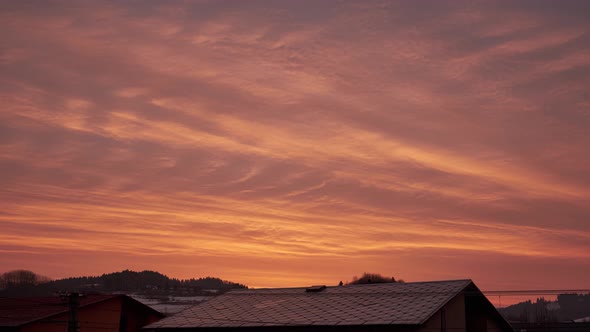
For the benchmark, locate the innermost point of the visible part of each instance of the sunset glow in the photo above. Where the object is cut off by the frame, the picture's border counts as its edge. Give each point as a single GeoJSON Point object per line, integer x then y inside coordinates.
{"type": "Point", "coordinates": [288, 143]}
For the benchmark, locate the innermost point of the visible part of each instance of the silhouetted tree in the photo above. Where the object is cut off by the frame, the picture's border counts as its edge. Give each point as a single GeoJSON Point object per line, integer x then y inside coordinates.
{"type": "Point", "coordinates": [21, 278]}
{"type": "Point", "coordinates": [371, 278]}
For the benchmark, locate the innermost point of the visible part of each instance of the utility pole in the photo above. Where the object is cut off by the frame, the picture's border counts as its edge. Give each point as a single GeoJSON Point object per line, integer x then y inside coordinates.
{"type": "Point", "coordinates": [73, 303]}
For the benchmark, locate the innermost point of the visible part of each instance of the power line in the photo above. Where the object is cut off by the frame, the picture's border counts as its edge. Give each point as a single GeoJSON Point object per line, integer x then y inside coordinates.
{"type": "Point", "coordinates": [537, 292]}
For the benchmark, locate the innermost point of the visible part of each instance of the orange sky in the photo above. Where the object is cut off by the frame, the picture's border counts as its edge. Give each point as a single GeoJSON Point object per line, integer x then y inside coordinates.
{"type": "Point", "coordinates": [287, 143]}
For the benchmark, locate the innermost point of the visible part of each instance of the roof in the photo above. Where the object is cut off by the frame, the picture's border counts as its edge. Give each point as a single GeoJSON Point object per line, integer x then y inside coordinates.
{"type": "Point", "coordinates": [370, 304]}
{"type": "Point", "coordinates": [23, 310]}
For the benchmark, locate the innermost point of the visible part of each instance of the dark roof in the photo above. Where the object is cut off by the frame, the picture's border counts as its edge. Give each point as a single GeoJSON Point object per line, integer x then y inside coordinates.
{"type": "Point", "coordinates": [370, 304]}
{"type": "Point", "coordinates": [23, 310]}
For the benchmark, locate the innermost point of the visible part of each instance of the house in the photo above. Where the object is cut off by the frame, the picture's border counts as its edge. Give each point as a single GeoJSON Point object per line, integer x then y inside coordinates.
{"type": "Point", "coordinates": [96, 313]}
{"type": "Point", "coordinates": [446, 306]}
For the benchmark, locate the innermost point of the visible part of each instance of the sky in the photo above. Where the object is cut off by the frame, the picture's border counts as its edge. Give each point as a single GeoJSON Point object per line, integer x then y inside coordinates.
{"type": "Point", "coordinates": [291, 143]}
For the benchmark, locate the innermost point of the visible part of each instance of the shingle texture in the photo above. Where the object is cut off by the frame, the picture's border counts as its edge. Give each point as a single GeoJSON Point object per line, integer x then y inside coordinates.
{"type": "Point", "coordinates": [373, 304]}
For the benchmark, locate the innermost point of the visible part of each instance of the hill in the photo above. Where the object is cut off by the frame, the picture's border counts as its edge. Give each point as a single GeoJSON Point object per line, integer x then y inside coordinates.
{"type": "Point", "coordinates": [144, 282]}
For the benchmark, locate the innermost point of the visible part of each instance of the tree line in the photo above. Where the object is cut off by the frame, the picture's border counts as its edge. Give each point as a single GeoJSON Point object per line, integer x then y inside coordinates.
{"type": "Point", "coordinates": [567, 307]}
{"type": "Point", "coordinates": [28, 283]}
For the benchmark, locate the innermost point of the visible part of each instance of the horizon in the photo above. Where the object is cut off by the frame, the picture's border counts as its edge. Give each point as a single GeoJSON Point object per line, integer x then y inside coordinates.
{"type": "Point", "coordinates": [345, 282]}
{"type": "Point", "coordinates": [298, 143]}
{"type": "Point", "coordinates": [499, 298]}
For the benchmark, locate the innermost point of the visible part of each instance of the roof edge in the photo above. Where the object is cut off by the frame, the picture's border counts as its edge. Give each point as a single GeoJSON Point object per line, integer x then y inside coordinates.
{"type": "Point", "coordinates": [134, 301]}
{"type": "Point", "coordinates": [498, 315]}
{"type": "Point", "coordinates": [468, 282]}
{"type": "Point", "coordinates": [354, 285]}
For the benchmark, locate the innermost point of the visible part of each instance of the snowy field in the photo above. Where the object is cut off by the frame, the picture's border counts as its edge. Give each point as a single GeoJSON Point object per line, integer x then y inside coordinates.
{"type": "Point", "coordinates": [171, 304]}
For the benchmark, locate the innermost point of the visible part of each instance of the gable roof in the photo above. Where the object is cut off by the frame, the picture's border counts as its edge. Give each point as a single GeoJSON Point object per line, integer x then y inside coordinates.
{"type": "Point", "coordinates": [370, 304]}
{"type": "Point", "coordinates": [23, 310]}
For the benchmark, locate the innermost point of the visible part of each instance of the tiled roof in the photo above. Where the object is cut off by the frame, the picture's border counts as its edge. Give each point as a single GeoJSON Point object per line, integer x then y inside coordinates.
{"type": "Point", "coordinates": [372, 304]}
{"type": "Point", "coordinates": [19, 311]}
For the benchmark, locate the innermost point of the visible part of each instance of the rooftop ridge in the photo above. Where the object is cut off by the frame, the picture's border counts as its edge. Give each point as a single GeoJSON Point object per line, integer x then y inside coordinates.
{"type": "Point", "coordinates": [350, 286]}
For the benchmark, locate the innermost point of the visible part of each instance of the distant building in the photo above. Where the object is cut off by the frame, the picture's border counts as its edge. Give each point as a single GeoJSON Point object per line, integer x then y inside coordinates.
{"type": "Point", "coordinates": [96, 313]}
{"type": "Point", "coordinates": [446, 306]}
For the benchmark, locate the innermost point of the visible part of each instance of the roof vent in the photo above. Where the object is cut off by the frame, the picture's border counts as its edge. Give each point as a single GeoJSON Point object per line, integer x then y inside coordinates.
{"type": "Point", "coordinates": [315, 289]}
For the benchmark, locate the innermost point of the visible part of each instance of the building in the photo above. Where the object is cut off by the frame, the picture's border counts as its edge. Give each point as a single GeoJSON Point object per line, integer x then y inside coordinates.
{"type": "Point", "coordinates": [96, 313]}
{"type": "Point", "coordinates": [446, 306]}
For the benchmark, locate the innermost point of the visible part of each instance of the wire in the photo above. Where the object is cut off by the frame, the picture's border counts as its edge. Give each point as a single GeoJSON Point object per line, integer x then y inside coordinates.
{"type": "Point", "coordinates": [538, 292]}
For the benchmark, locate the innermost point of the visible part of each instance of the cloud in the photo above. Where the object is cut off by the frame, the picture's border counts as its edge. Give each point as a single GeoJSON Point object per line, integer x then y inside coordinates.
{"type": "Point", "coordinates": [294, 141]}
